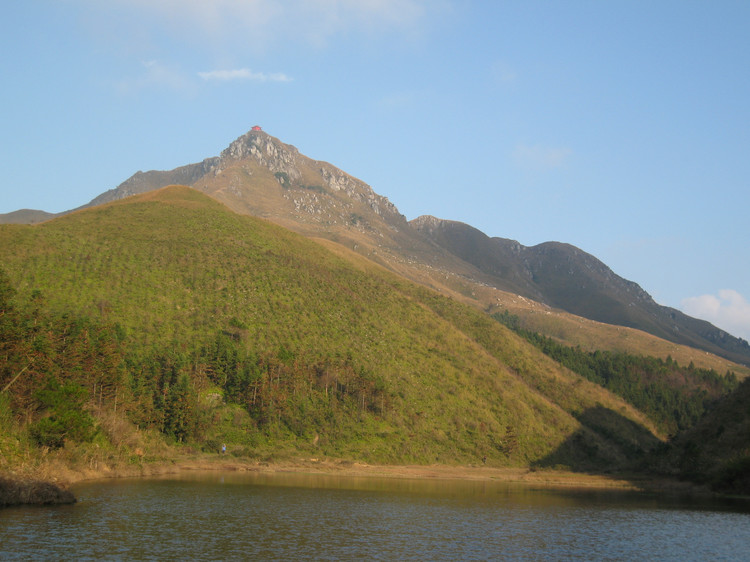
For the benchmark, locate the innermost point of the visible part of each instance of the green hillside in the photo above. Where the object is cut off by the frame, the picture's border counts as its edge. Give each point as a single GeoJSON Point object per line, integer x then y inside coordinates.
{"type": "Point", "coordinates": [716, 451]}
{"type": "Point", "coordinates": [211, 327]}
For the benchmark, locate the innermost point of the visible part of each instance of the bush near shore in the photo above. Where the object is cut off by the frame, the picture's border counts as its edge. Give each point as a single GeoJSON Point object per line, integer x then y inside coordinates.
{"type": "Point", "coordinates": [32, 492]}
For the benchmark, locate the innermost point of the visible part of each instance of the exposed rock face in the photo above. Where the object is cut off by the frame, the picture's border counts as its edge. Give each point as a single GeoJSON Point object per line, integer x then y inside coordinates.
{"type": "Point", "coordinates": [317, 190]}
{"type": "Point", "coordinates": [355, 189]}
{"type": "Point", "coordinates": [266, 151]}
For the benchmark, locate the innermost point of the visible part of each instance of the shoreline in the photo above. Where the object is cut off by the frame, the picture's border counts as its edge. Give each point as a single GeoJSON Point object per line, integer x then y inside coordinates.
{"type": "Point", "coordinates": [57, 483]}
{"type": "Point", "coordinates": [537, 478]}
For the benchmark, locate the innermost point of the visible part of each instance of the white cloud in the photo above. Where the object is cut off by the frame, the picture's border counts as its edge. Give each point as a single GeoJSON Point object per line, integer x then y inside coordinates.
{"type": "Point", "coordinates": [728, 310]}
{"type": "Point", "coordinates": [223, 34]}
{"type": "Point", "coordinates": [540, 157]}
{"type": "Point", "coordinates": [244, 74]}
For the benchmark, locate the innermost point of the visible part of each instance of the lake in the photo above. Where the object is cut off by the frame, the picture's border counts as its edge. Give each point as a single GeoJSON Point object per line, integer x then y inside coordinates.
{"type": "Point", "coordinates": [250, 516]}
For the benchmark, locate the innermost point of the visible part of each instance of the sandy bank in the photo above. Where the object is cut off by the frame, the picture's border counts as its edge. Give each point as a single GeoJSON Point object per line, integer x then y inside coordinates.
{"type": "Point", "coordinates": [525, 476]}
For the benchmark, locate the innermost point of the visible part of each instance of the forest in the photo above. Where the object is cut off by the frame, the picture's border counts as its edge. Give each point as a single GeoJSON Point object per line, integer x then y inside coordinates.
{"type": "Point", "coordinates": [57, 369]}
{"type": "Point", "coordinates": [674, 396]}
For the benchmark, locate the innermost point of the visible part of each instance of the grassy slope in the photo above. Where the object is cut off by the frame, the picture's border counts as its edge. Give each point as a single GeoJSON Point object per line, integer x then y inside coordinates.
{"type": "Point", "coordinates": [173, 267]}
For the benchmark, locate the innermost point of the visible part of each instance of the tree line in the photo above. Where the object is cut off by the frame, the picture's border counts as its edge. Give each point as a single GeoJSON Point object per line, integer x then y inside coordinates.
{"type": "Point", "coordinates": [675, 397]}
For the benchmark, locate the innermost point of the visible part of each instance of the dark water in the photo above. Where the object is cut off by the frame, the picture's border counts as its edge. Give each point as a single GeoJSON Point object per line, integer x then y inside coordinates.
{"type": "Point", "coordinates": [291, 517]}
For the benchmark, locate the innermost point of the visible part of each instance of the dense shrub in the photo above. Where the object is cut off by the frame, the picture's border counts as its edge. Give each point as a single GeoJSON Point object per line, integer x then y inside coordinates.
{"type": "Point", "coordinates": [64, 414]}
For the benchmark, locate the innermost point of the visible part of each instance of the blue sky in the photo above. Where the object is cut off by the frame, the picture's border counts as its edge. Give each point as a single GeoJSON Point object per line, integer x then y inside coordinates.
{"type": "Point", "coordinates": [622, 127]}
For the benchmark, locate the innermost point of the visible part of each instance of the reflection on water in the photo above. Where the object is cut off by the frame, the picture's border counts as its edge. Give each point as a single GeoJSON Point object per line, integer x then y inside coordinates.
{"type": "Point", "coordinates": [293, 516]}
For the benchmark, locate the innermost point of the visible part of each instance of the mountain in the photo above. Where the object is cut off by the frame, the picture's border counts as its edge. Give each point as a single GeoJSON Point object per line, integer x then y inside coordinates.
{"type": "Point", "coordinates": [141, 182]}
{"type": "Point", "coordinates": [237, 329]}
{"type": "Point", "coordinates": [26, 216]}
{"type": "Point", "coordinates": [261, 176]}
{"type": "Point", "coordinates": [563, 276]}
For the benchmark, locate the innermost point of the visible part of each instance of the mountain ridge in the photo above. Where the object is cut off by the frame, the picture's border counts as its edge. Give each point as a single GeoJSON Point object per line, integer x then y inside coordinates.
{"type": "Point", "coordinates": [565, 277]}
{"type": "Point", "coordinates": [257, 174]}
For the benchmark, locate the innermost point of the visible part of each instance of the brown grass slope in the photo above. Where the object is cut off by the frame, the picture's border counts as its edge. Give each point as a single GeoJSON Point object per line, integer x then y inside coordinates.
{"type": "Point", "coordinates": [26, 216]}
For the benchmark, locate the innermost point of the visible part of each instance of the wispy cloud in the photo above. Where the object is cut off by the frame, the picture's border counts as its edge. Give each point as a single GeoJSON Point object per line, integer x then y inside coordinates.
{"type": "Point", "coordinates": [540, 157]}
{"type": "Point", "coordinates": [156, 74]}
{"type": "Point", "coordinates": [223, 34]}
{"type": "Point", "coordinates": [244, 74]}
{"type": "Point", "coordinates": [260, 22]}
{"type": "Point", "coordinates": [728, 310]}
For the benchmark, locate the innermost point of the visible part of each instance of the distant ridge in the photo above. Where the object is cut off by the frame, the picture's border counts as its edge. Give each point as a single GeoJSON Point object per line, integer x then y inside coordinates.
{"type": "Point", "coordinates": [26, 216]}
{"type": "Point", "coordinates": [141, 182]}
{"type": "Point", "coordinates": [565, 277]}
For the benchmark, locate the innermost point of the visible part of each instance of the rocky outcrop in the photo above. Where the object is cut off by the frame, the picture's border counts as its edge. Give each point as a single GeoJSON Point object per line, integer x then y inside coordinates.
{"type": "Point", "coordinates": [266, 151]}
{"type": "Point", "coordinates": [357, 190]}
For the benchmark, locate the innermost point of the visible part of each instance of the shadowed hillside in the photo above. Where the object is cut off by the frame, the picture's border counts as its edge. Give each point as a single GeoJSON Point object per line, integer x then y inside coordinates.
{"type": "Point", "coordinates": [715, 452]}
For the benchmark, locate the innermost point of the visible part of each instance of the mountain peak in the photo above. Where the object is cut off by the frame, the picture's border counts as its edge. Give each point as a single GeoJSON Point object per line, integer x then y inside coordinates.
{"type": "Point", "coordinates": [266, 150]}
{"type": "Point", "coordinates": [259, 144]}
{"type": "Point", "coordinates": [426, 222]}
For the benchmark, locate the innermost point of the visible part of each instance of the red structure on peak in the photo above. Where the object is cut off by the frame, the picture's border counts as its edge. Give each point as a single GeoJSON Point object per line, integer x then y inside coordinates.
{"type": "Point", "coordinates": [256, 128]}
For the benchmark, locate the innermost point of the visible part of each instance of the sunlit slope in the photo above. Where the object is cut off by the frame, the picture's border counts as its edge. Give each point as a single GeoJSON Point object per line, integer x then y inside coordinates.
{"type": "Point", "coordinates": [173, 267]}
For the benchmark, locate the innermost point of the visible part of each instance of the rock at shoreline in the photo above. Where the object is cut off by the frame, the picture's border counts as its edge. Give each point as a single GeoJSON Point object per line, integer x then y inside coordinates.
{"type": "Point", "coordinates": [32, 492]}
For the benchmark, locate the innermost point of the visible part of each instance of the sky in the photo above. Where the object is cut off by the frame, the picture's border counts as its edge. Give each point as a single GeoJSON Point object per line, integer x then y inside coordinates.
{"type": "Point", "coordinates": [621, 127]}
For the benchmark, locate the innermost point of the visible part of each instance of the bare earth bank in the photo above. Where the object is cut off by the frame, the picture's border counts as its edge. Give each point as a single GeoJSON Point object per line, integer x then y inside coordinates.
{"type": "Point", "coordinates": [50, 487]}
{"type": "Point", "coordinates": [525, 476]}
